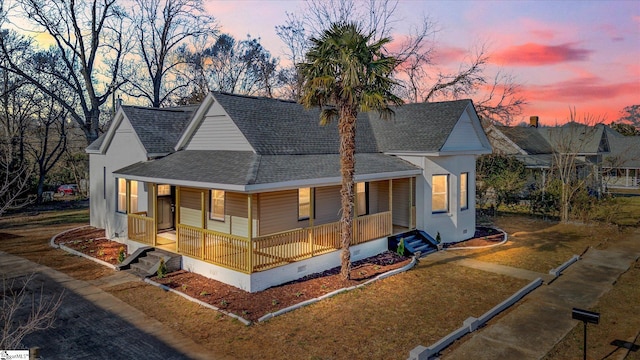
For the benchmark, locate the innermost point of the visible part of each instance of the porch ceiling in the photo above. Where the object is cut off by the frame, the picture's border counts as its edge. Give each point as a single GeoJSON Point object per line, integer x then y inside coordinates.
{"type": "Point", "coordinates": [247, 171]}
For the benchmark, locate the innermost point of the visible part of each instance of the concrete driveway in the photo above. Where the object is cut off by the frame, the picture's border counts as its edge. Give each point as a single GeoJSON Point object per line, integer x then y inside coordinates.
{"type": "Point", "coordinates": [92, 324]}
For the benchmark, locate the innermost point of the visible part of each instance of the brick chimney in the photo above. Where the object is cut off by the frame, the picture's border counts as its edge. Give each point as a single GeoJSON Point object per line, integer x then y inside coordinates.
{"type": "Point", "coordinates": [533, 121]}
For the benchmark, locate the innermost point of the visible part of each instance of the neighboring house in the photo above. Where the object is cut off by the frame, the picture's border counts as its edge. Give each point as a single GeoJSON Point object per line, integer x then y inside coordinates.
{"type": "Point", "coordinates": [540, 147]}
{"type": "Point", "coordinates": [248, 189]}
{"type": "Point", "coordinates": [622, 165]}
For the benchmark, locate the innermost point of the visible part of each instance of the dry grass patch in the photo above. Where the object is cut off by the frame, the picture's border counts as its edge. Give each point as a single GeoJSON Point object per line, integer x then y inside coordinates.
{"type": "Point", "coordinates": [28, 235]}
{"type": "Point", "coordinates": [384, 320]}
{"type": "Point", "coordinates": [619, 320]}
{"type": "Point", "coordinates": [540, 245]}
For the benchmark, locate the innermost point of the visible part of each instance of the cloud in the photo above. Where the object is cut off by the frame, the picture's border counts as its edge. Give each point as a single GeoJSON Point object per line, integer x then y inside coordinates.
{"type": "Point", "coordinates": [612, 32]}
{"type": "Point", "coordinates": [532, 54]}
{"type": "Point", "coordinates": [580, 90]}
{"type": "Point", "coordinates": [449, 54]}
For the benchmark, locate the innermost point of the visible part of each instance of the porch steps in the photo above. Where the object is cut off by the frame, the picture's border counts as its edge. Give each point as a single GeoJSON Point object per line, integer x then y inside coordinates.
{"type": "Point", "coordinates": [147, 263]}
{"type": "Point", "coordinates": [414, 241]}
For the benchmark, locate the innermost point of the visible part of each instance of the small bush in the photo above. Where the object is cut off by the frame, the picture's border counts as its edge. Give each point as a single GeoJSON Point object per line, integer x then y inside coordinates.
{"type": "Point", "coordinates": [162, 269]}
{"type": "Point", "coordinates": [121, 255]}
{"type": "Point", "coordinates": [400, 249]}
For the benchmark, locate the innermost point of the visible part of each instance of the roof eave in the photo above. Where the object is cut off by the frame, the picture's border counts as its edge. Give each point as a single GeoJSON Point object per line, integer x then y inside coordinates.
{"type": "Point", "coordinates": [439, 153]}
{"type": "Point", "coordinates": [277, 186]}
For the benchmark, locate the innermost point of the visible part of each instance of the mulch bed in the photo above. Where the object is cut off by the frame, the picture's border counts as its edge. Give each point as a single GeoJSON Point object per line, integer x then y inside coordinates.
{"type": "Point", "coordinates": [484, 236]}
{"type": "Point", "coordinates": [252, 306]}
{"type": "Point", "coordinates": [91, 241]}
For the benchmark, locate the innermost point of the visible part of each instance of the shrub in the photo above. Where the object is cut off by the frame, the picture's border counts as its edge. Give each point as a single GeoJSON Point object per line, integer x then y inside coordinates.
{"type": "Point", "coordinates": [121, 255]}
{"type": "Point", "coordinates": [162, 269]}
{"type": "Point", "coordinates": [400, 249]}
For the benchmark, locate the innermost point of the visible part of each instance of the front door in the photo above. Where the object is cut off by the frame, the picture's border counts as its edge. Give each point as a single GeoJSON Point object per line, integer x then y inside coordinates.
{"type": "Point", "coordinates": [165, 213]}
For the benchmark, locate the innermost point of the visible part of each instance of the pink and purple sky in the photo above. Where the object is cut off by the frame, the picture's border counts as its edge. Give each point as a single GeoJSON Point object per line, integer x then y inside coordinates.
{"type": "Point", "coordinates": [582, 54]}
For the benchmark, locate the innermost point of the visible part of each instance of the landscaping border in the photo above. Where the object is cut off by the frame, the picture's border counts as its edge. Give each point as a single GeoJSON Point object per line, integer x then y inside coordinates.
{"type": "Point", "coordinates": [199, 302]}
{"type": "Point", "coordinates": [290, 308]}
{"type": "Point", "coordinates": [471, 324]}
{"type": "Point", "coordinates": [504, 240]}
{"type": "Point", "coordinates": [89, 257]}
{"type": "Point", "coordinates": [336, 292]}
{"type": "Point", "coordinates": [52, 242]}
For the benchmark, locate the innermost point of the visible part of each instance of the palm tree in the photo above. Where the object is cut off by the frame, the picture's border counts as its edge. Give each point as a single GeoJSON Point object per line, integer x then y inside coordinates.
{"type": "Point", "coordinates": [346, 72]}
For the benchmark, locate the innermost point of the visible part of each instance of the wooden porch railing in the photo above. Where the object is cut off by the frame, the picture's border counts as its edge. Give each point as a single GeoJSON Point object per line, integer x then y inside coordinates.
{"type": "Point", "coordinates": [218, 248]}
{"type": "Point", "coordinates": [370, 227]}
{"type": "Point", "coordinates": [141, 228]}
{"type": "Point", "coordinates": [265, 252]}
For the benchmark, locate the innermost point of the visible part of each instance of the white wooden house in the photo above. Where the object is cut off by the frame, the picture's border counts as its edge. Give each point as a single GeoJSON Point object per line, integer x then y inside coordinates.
{"type": "Point", "coordinates": [247, 189]}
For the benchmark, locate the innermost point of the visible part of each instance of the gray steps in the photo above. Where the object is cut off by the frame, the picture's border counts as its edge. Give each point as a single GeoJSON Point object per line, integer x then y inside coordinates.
{"type": "Point", "coordinates": [147, 263]}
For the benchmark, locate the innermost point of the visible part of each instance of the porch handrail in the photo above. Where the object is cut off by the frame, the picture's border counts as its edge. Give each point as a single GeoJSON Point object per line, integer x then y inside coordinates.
{"type": "Point", "coordinates": [263, 252]}
{"type": "Point", "coordinates": [370, 227]}
{"type": "Point", "coordinates": [227, 250]}
{"type": "Point", "coordinates": [141, 228]}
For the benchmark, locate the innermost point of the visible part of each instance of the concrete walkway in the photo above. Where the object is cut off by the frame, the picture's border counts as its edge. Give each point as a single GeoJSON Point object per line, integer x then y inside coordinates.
{"type": "Point", "coordinates": [95, 324]}
{"type": "Point", "coordinates": [454, 258]}
{"type": "Point", "coordinates": [531, 329]}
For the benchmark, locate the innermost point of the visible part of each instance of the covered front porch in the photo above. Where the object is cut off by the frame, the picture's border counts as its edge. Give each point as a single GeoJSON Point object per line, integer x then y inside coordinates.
{"type": "Point", "coordinates": [248, 236]}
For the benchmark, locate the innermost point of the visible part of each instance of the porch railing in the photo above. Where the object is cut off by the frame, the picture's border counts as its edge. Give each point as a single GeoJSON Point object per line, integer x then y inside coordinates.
{"type": "Point", "coordinates": [221, 249]}
{"type": "Point", "coordinates": [370, 227]}
{"type": "Point", "coordinates": [141, 228]}
{"type": "Point", "coordinates": [264, 252]}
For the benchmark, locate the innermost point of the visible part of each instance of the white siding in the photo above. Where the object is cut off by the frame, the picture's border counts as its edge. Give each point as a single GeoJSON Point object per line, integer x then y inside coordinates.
{"type": "Point", "coordinates": [218, 132]}
{"type": "Point", "coordinates": [125, 149]}
{"type": "Point", "coordinates": [463, 137]}
{"type": "Point", "coordinates": [455, 225]}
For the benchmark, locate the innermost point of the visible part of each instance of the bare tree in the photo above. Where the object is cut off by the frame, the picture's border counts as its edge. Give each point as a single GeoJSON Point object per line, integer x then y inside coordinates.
{"type": "Point", "coordinates": [162, 27]}
{"type": "Point", "coordinates": [14, 180]}
{"type": "Point", "coordinates": [48, 140]}
{"type": "Point", "coordinates": [573, 164]}
{"type": "Point", "coordinates": [24, 310]}
{"type": "Point", "coordinates": [503, 102]}
{"type": "Point", "coordinates": [229, 65]}
{"type": "Point", "coordinates": [631, 115]}
{"type": "Point", "coordinates": [90, 39]}
{"type": "Point", "coordinates": [418, 76]}
{"type": "Point", "coordinates": [15, 170]}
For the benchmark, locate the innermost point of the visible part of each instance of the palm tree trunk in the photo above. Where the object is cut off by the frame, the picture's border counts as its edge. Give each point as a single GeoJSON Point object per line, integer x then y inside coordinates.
{"type": "Point", "coordinates": [347, 131]}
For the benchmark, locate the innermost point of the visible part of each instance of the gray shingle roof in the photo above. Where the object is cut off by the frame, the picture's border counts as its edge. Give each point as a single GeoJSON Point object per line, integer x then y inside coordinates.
{"type": "Point", "coordinates": [422, 127]}
{"type": "Point", "coordinates": [290, 144]}
{"type": "Point", "coordinates": [159, 129]}
{"type": "Point", "coordinates": [624, 152]}
{"type": "Point", "coordinates": [575, 137]}
{"type": "Point", "coordinates": [226, 167]}
{"type": "Point", "coordinates": [276, 127]}
{"type": "Point", "coordinates": [283, 127]}
{"type": "Point", "coordinates": [247, 168]}
{"type": "Point", "coordinates": [528, 139]}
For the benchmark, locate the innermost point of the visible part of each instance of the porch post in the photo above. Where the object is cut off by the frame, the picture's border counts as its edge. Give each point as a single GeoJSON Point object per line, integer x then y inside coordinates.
{"type": "Point", "coordinates": [176, 220]}
{"type": "Point", "coordinates": [154, 206]}
{"type": "Point", "coordinates": [128, 191]}
{"type": "Point", "coordinates": [391, 202]}
{"type": "Point", "coordinates": [411, 203]}
{"type": "Point", "coordinates": [250, 233]}
{"type": "Point", "coordinates": [312, 214]}
{"type": "Point", "coordinates": [203, 221]}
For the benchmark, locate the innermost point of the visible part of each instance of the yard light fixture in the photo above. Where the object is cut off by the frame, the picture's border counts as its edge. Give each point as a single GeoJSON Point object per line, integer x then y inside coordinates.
{"type": "Point", "coordinates": [586, 317]}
